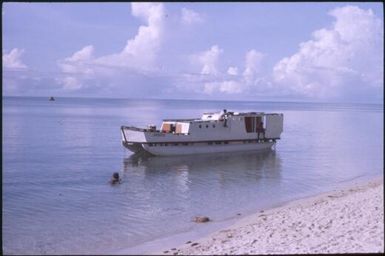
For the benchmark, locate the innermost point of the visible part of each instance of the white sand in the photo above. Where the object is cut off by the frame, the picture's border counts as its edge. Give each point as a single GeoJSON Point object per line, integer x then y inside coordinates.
{"type": "Point", "coordinates": [345, 221]}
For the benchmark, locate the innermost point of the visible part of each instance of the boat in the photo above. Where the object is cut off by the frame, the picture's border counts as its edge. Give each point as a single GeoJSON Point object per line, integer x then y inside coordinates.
{"type": "Point", "coordinates": [218, 162]}
{"type": "Point", "coordinates": [51, 98]}
{"type": "Point", "coordinates": [218, 132]}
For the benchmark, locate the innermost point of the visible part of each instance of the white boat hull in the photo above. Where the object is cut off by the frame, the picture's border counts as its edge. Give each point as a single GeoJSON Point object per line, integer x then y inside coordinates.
{"type": "Point", "coordinates": [199, 149]}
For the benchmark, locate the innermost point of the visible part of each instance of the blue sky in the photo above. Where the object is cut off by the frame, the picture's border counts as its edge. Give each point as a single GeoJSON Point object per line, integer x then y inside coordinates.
{"type": "Point", "coordinates": [227, 51]}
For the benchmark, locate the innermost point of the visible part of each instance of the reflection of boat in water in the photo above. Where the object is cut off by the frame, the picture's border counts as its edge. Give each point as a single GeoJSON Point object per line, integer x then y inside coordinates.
{"type": "Point", "coordinates": [256, 162]}
{"type": "Point", "coordinates": [212, 133]}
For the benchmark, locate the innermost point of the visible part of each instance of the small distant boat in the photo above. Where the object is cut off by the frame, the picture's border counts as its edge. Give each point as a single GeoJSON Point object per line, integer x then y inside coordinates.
{"type": "Point", "coordinates": [212, 133]}
{"type": "Point", "coordinates": [51, 98]}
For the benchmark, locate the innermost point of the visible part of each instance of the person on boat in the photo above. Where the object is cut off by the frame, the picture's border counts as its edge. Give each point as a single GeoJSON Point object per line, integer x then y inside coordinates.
{"type": "Point", "coordinates": [260, 129]}
{"type": "Point", "coordinates": [115, 179]}
{"type": "Point", "coordinates": [224, 117]}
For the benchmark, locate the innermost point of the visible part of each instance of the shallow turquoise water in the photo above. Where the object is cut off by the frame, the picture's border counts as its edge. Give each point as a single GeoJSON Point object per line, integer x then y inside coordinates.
{"type": "Point", "coordinates": [58, 157]}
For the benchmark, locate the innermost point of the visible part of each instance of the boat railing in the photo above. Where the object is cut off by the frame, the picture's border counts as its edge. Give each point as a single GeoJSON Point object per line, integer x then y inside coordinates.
{"type": "Point", "coordinates": [181, 120]}
{"type": "Point", "coordinates": [133, 128]}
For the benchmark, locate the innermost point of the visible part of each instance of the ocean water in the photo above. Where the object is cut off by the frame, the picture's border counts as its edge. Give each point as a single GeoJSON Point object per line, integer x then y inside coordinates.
{"type": "Point", "coordinates": [59, 156]}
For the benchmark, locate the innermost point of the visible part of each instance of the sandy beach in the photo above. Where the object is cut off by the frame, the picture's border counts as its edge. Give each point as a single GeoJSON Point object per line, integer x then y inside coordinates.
{"type": "Point", "coordinates": [349, 220]}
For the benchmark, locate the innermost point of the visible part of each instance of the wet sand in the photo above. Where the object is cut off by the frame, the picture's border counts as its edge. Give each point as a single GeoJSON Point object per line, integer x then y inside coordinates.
{"type": "Point", "coordinates": [348, 220]}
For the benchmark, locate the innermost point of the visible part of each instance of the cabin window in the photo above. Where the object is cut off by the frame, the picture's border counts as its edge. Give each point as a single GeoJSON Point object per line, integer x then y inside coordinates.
{"type": "Point", "coordinates": [218, 142]}
{"type": "Point", "coordinates": [176, 144]}
{"type": "Point", "coordinates": [210, 143]}
{"type": "Point", "coordinates": [185, 143]}
{"type": "Point", "coordinates": [166, 127]}
{"type": "Point", "coordinates": [173, 128]}
{"type": "Point", "coordinates": [213, 125]}
{"type": "Point", "coordinates": [150, 144]}
{"type": "Point", "coordinates": [253, 124]}
{"type": "Point", "coordinates": [178, 128]}
{"type": "Point", "coordinates": [200, 126]}
{"type": "Point", "coordinates": [207, 126]}
{"type": "Point", "coordinates": [226, 142]}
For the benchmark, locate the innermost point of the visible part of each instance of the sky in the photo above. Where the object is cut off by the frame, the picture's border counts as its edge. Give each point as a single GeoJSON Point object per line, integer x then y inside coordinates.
{"type": "Point", "coordinates": [321, 52]}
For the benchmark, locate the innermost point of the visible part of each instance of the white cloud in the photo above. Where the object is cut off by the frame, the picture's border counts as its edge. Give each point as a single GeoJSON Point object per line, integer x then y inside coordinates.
{"type": "Point", "coordinates": [190, 17]}
{"type": "Point", "coordinates": [77, 68]}
{"type": "Point", "coordinates": [344, 57]}
{"type": "Point", "coordinates": [209, 60]}
{"type": "Point", "coordinates": [232, 82]}
{"type": "Point", "coordinates": [13, 59]}
{"type": "Point", "coordinates": [232, 71]}
{"type": "Point", "coordinates": [70, 83]}
{"type": "Point", "coordinates": [138, 55]}
{"type": "Point", "coordinates": [213, 81]}
{"type": "Point", "coordinates": [79, 62]}
{"type": "Point", "coordinates": [82, 55]}
{"type": "Point", "coordinates": [227, 86]}
{"type": "Point", "coordinates": [252, 65]}
{"type": "Point", "coordinates": [141, 50]}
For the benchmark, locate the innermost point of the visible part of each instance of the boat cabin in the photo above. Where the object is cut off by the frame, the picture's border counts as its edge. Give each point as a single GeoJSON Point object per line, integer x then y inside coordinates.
{"type": "Point", "coordinates": [250, 122]}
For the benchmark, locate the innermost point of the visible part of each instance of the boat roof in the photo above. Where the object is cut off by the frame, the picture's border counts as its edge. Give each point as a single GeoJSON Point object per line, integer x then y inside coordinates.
{"type": "Point", "coordinates": [181, 120]}
{"type": "Point", "coordinates": [204, 116]}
